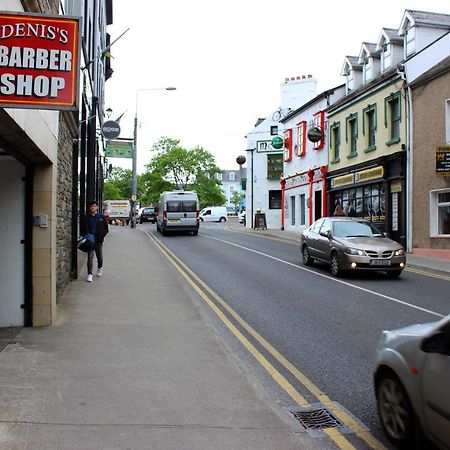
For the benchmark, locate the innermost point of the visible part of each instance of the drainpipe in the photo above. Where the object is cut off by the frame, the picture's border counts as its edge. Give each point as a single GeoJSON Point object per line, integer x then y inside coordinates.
{"type": "Point", "coordinates": [401, 70]}
{"type": "Point", "coordinates": [310, 203]}
{"type": "Point", "coordinates": [323, 171]}
{"type": "Point", "coordinates": [283, 193]}
{"type": "Point", "coordinates": [409, 171]}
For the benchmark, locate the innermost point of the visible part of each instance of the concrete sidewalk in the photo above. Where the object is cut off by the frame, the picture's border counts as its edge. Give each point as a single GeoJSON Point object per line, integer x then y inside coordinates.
{"type": "Point", "coordinates": [132, 363]}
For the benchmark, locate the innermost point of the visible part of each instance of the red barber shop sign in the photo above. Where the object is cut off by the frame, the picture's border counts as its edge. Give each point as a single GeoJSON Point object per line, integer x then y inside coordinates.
{"type": "Point", "coordinates": [39, 61]}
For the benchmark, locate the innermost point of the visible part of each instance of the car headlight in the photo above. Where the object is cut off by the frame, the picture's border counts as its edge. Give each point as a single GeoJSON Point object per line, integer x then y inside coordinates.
{"type": "Point", "coordinates": [399, 252]}
{"type": "Point", "coordinates": [355, 251]}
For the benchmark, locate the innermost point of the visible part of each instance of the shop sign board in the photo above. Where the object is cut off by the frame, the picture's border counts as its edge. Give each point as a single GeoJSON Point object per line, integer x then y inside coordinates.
{"type": "Point", "coordinates": [369, 174]}
{"type": "Point", "coordinates": [39, 61]}
{"type": "Point", "coordinates": [119, 149]}
{"type": "Point", "coordinates": [265, 147]}
{"type": "Point", "coordinates": [344, 180]}
{"type": "Point", "coordinates": [443, 160]}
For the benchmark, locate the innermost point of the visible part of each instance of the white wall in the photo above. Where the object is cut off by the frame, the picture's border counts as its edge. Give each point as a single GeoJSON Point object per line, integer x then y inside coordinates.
{"type": "Point", "coordinates": [12, 231]}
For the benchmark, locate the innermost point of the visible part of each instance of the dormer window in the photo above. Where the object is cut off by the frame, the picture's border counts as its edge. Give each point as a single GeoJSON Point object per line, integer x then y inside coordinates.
{"type": "Point", "coordinates": [367, 70]}
{"type": "Point", "coordinates": [410, 41]}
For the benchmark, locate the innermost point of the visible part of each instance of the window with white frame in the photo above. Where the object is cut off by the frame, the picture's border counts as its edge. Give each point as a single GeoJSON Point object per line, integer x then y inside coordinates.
{"type": "Point", "coordinates": [301, 138]}
{"type": "Point", "coordinates": [386, 56]}
{"type": "Point", "coordinates": [447, 122]}
{"type": "Point", "coordinates": [367, 70]}
{"type": "Point", "coordinates": [440, 213]}
{"type": "Point", "coordinates": [410, 41]}
{"type": "Point", "coordinates": [232, 176]}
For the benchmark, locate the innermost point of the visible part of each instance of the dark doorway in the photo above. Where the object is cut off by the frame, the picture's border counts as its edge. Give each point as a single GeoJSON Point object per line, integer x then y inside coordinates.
{"type": "Point", "coordinates": [317, 205]}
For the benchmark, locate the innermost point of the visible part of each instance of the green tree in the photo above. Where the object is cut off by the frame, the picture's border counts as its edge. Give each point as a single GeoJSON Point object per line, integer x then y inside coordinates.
{"type": "Point", "coordinates": [175, 167]}
{"type": "Point", "coordinates": [236, 199]}
{"type": "Point", "coordinates": [111, 191]}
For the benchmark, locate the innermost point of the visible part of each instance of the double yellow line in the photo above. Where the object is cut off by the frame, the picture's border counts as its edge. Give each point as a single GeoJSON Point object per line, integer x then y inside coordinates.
{"type": "Point", "coordinates": [203, 289]}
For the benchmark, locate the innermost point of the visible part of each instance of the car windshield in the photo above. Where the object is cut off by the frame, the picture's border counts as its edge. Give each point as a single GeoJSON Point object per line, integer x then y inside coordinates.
{"type": "Point", "coordinates": [347, 228]}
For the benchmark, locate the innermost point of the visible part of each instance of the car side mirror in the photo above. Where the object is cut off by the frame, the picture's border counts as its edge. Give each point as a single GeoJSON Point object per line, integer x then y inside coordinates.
{"type": "Point", "coordinates": [156, 210]}
{"type": "Point", "coordinates": [326, 233]}
{"type": "Point", "coordinates": [435, 343]}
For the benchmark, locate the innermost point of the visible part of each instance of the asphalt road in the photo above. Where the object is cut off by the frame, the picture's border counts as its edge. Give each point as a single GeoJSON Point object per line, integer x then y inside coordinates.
{"type": "Point", "coordinates": [326, 327]}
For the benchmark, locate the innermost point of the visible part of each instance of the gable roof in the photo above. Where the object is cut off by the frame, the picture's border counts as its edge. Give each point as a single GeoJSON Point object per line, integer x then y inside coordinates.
{"type": "Point", "coordinates": [431, 19]}
{"type": "Point", "coordinates": [352, 63]}
{"type": "Point", "coordinates": [368, 49]}
{"type": "Point", "coordinates": [389, 35]}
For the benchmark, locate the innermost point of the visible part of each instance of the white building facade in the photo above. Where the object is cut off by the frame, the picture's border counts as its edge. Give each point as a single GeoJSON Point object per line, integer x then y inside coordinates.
{"type": "Point", "coordinates": [264, 162]}
{"type": "Point", "coordinates": [304, 193]}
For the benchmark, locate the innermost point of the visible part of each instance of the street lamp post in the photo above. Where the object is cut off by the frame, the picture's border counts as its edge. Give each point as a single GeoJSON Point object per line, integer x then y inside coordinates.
{"type": "Point", "coordinates": [134, 159]}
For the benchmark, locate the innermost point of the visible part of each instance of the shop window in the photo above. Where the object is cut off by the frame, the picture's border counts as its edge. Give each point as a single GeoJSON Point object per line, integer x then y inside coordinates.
{"type": "Point", "coordinates": [293, 210]}
{"type": "Point", "coordinates": [440, 213]}
{"type": "Point", "coordinates": [302, 209]}
{"type": "Point", "coordinates": [274, 166]}
{"type": "Point", "coordinates": [393, 117]}
{"type": "Point", "coordinates": [335, 142]}
{"type": "Point", "coordinates": [275, 199]}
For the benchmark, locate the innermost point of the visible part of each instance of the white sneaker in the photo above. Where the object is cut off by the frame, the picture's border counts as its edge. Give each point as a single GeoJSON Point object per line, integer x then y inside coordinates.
{"type": "Point", "coordinates": [89, 278]}
{"type": "Point", "coordinates": [99, 272]}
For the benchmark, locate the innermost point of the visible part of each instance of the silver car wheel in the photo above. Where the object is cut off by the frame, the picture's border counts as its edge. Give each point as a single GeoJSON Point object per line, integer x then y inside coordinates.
{"type": "Point", "coordinates": [307, 260]}
{"type": "Point", "coordinates": [334, 264]}
{"type": "Point", "coordinates": [395, 410]}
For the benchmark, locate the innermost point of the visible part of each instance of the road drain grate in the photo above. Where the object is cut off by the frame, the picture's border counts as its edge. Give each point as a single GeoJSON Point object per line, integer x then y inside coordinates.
{"type": "Point", "coordinates": [316, 419]}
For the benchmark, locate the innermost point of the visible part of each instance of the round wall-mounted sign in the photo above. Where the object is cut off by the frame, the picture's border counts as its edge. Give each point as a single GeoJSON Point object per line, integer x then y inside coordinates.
{"type": "Point", "coordinates": [241, 159]}
{"type": "Point", "coordinates": [315, 134]}
{"type": "Point", "coordinates": [110, 129]}
{"type": "Point", "coordinates": [277, 142]}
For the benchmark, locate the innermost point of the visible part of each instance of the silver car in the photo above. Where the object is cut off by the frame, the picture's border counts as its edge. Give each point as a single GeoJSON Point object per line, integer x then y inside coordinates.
{"type": "Point", "coordinates": [347, 243]}
{"type": "Point", "coordinates": [412, 384]}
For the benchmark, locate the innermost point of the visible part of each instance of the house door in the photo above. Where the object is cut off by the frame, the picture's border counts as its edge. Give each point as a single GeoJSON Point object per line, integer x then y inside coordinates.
{"type": "Point", "coordinates": [317, 205]}
{"type": "Point", "coordinates": [12, 248]}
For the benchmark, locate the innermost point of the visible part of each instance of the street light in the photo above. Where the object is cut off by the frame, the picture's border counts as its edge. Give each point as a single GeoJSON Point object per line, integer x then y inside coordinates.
{"type": "Point", "coordinates": [134, 167]}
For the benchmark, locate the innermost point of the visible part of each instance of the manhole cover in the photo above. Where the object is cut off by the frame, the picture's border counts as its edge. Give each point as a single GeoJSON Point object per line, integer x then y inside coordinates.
{"type": "Point", "coordinates": [316, 419]}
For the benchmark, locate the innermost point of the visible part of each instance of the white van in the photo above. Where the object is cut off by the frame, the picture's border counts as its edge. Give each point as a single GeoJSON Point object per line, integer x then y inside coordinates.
{"type": "Point", "coordinates": [214, 214]}
{"type": "Point", "coordinates": [178, 211]}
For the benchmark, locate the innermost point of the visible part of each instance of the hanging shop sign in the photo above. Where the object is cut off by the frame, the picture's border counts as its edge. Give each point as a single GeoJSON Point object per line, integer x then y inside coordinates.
{"type": "Point", "coordinates": [443, 160]}
{"type": "Point", "coordinates": [39, 61]}
{"type": "Point", "coordinates": [111, 129]}
{"type": "Point", "coordinates": [119, 149]}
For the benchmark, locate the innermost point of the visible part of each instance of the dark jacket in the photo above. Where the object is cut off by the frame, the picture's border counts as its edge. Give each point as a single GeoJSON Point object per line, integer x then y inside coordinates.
{"type": "Point", "coordinates": [88, 222]}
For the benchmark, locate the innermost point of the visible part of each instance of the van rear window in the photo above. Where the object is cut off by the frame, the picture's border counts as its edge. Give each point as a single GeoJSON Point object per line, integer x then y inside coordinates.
{"type": "Point", "coordinates": [181, 206]}
{"type": "Point", "coordinates": [173, 206]}
{"type": "Point", "coordinates": [189, 205]}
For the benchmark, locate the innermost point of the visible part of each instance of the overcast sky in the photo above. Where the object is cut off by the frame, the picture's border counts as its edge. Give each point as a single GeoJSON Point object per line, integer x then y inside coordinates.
{"type": "Point", "coordinates": [227, 61]}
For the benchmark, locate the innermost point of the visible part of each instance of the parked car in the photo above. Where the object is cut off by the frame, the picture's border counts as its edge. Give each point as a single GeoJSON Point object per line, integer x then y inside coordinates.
{"type": "Point", "coordinates": [214, 214]}
{"type": "Point", "coordinates": [411, 376]}
{"type": "Point", "coordinates": [349, 243]}
{"type": "Point", "coordinates": [242, 217]}
{"type": "Point", "coordinates": [146, 214]}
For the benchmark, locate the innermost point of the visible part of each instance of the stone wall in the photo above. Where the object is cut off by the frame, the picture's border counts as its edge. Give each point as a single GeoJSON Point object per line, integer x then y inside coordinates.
{"type": "Point", "coordinates": [64, 204]}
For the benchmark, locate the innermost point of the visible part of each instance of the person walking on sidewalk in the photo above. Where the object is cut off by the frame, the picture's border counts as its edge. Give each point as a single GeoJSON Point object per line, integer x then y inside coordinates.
{"type": "Point", "coordinates": [95, 223]}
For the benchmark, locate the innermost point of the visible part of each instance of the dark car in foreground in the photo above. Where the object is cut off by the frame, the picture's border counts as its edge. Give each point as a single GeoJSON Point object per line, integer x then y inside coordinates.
{"type": "Point", "coordinates": [412, 384]}
{"type": "Point", "coordinates": [147, 214]}
{"type": "Point", "coordinates": [350, 244]}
